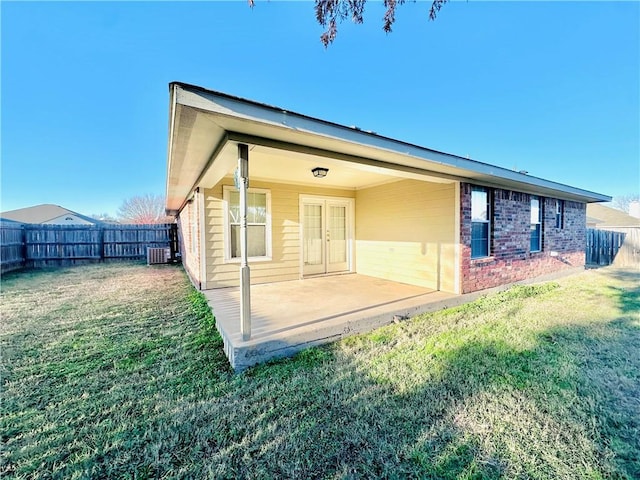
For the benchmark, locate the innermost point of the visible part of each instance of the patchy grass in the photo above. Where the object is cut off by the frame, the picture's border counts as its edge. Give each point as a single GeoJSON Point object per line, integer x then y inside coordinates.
{"type": "Point", "coordinates": [117, 371]}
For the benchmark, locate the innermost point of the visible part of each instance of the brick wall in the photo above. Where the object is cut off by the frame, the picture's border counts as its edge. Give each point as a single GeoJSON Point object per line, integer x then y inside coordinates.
{"type": "Point", "coordinates": [189, 231]}
{"type": "Point", "coordinates": [510, 258]}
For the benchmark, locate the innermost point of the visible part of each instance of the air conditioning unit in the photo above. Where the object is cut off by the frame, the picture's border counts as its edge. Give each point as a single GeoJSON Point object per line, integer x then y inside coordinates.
{"type": "Point", "coordinates": [157, 256]}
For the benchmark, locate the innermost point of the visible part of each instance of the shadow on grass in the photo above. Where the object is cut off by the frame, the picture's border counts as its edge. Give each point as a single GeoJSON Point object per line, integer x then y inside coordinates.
{"type": "Point", "coordinates": [628, 296]}
{"type": "Point", "coordinates": [563, 406]}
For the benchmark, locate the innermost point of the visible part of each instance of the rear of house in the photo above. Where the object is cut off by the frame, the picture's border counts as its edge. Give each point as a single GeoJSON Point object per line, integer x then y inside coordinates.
{"type": "Point", "coordinates": [402, 231]}
{"type": "Point", "coordinates": [409, 231]}
{"type": "Point", "coordinates": [383, 208]}
{"type": "Point", "coordinates": [325, 199]}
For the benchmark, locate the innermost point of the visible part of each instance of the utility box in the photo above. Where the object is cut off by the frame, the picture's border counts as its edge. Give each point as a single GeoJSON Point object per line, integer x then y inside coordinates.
{"type": "Point", "coordinates": [156, 256]}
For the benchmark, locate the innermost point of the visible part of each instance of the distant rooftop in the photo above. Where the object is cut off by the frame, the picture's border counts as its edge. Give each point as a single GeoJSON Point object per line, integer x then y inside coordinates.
{"type": "Point", "coordinates": [42, 213]}
{"type": "Point", "coordinates": [602, 216]}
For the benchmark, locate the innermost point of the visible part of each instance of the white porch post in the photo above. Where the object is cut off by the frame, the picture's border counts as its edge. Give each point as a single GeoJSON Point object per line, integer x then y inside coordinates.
{"type": "Point", "coordinates": [245, 277]}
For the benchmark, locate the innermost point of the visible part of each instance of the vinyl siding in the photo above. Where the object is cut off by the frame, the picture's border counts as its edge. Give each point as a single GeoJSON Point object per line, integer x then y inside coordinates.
{"type": "Point", "coordinates": [405, 232]}
{"type": "Point", "coordinates": [285, 237]}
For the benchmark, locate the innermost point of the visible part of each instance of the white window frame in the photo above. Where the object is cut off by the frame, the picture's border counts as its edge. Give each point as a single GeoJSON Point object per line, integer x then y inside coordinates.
{"type": "Point", "coordinates": [487, 221]}
{"type": "Point", "coordinates": [559, 214]}
{"type": "Point", "coordinates": [537, 222]}
{"type": "Point", "coordinates": [226, 191]}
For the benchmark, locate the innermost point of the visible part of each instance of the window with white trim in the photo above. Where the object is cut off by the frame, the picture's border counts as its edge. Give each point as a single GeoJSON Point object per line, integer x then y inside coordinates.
{"type": "Point", "coordinates": [258, 223]}
{"type": "Point", "coordinates": [480, 222]}
{"type": "Point", "coordinates": [536, 224]}
{"type": "Point", "coordinates": [559, 213]}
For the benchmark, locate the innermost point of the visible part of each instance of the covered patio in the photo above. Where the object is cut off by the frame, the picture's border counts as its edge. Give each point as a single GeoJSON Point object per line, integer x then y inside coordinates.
{"type": "Point", "coordinates": [289, 316]}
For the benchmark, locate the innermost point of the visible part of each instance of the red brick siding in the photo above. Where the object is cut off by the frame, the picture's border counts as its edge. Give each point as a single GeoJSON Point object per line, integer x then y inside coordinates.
{"type": "Point", "coordinates": [510, 258]}
{"type": "Point", "coordinates": [190, 256]}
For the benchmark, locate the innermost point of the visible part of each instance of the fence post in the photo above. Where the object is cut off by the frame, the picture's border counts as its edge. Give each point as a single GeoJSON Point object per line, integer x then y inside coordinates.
{"type": "Point", "coordinates": [23, 239]}
{"type": "Point", "coordinates": [101, 241]}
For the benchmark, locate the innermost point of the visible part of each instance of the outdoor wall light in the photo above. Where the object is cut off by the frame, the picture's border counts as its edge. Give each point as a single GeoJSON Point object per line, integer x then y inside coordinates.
{"type": "Point", "coordinates": [320, 172]}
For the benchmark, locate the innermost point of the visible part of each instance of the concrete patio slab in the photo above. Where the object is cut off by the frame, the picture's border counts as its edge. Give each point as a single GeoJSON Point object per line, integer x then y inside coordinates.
{"type": "Point", "coordinates": [290, 316]}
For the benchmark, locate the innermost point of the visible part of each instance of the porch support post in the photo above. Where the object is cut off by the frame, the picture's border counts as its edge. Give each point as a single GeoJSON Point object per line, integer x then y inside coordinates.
{"type": "Point", "coordinates": [245, 277]}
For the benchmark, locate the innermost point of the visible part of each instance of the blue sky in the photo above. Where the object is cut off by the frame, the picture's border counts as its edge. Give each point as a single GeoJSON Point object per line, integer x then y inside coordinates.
{"type": "Point", "coordinates": [551, 88]}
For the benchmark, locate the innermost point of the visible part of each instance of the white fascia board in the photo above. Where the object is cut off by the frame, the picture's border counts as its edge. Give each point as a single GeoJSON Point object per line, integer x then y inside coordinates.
{"type": "Point", "coordinates": [170, 209]}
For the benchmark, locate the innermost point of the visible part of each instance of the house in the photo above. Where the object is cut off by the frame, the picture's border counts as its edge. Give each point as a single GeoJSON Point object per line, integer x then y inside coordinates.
{"type": "Point", "coordinates": [606, 218]}
{"type": "Point", "coordinates": [48, 214]}
{"type": "Point", "coordinates": [322, 199]}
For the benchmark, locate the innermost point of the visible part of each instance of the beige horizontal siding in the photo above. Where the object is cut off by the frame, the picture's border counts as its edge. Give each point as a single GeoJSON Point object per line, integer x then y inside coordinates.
{"type": "Point", "coordinates": [285, 239]}
{"type": "Point", "coordinates": [405, 232]}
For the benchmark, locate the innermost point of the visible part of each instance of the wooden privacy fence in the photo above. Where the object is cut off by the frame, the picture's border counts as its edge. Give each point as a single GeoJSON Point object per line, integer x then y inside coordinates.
{"type": "Point", "coordinates": [11, 246]}
{"type": "Point", "coordinates": [25, 245]}
{"type": "Point", "coordinates": [619, 246]}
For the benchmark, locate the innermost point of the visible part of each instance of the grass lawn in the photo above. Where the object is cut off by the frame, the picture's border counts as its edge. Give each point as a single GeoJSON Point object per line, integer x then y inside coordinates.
{"type": "Point", "coordinates": [116, 371]}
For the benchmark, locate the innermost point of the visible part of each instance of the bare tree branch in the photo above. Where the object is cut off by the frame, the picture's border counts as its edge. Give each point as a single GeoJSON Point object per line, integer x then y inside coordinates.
{"type": "Point", "coordinates": [143, 209]}
{"type": "Point", "coordinates": [623, 202]}
{"type": "Point", "coordinates": [104, 217]}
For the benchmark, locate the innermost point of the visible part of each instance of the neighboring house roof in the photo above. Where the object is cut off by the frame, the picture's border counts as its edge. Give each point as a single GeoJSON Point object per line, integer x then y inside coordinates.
{"type": "Point", "coordinates": [603, 217]}
{"type": "Point", "coordinates": [591, 221]}
{"type": "Point", "coordinates": [43, 213]}
{"type": "Point", "coordinates": [206, 126]}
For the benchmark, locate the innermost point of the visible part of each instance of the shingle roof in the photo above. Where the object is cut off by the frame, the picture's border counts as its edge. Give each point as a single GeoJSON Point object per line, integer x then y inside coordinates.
{"type": "Point", "coordinates": [610, 217]}
{"type": "Point", "coordinates": [206, 126]}
{"type": "Point", "coordinates": [42, 213]}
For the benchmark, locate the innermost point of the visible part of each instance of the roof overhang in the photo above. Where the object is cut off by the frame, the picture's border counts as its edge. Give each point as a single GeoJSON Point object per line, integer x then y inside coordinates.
{"type": "Point", "coordinates": [205, 127]}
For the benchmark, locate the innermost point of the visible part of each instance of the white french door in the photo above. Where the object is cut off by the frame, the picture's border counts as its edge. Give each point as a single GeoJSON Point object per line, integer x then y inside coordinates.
{"type": "Point", "coordinates": [326, 232]}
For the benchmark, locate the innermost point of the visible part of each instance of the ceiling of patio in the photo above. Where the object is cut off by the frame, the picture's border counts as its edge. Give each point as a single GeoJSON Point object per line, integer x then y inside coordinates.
{"type": "Point", "coordinates": [285, 166]}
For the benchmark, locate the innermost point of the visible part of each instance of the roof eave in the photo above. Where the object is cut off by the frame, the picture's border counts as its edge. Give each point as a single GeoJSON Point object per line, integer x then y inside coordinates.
{"type": "Point", "coordinates": [230, 111]}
